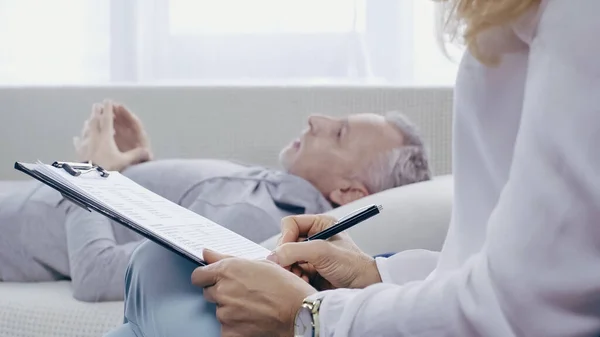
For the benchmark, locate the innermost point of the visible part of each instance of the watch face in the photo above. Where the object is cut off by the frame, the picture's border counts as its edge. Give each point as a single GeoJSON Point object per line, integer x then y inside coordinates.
{"type": "Point", "coordinates": [303, 324]}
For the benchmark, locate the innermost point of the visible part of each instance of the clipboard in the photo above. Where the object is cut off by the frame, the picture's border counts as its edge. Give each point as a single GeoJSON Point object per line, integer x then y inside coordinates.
{"type": "Point", "coordinates": [91, 205]}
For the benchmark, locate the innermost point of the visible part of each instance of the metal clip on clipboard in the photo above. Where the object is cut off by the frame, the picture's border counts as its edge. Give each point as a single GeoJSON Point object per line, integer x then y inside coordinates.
{"type": "Point", "coordinates": [77, 169]}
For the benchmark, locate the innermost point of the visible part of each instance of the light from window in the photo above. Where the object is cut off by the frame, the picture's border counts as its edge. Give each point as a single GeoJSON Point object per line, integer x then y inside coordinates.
{"type": "Point", "coordinates": [286, 41]}
{"type": "Point", "coordinates": [58, 41]}
{"type": "Point", "coordinates": [265, 16]}
{"type": "Point", "coordinates": [430, 65]}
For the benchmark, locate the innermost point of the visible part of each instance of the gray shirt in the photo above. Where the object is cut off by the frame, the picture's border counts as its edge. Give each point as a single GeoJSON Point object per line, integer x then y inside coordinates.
{"type": "Point", "coordinates": [45, 237]}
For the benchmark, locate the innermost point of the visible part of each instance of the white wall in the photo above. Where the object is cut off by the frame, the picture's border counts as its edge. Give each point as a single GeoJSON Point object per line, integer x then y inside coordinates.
{"type": "Point", "coordinates": [249, 124]}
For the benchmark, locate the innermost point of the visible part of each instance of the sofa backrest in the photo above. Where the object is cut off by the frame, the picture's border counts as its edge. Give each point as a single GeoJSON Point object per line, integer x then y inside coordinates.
{"type": "Point", "coordinates": [249, 124]}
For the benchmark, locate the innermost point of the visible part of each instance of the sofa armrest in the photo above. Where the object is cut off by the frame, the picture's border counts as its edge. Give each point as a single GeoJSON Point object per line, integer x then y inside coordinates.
{"type": "Point", "coordinates": [413, 216]}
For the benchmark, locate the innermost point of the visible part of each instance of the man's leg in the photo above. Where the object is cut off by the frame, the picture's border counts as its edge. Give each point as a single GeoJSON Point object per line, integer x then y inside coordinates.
{"type": "Point", "coordinates": [32, 235]}
{"type": "Point", "coordinates": [160, 299]}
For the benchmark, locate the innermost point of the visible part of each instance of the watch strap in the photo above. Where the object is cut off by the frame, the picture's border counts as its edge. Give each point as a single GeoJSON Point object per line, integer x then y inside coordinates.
{"type": "Point", "coordinates": [313, 305]}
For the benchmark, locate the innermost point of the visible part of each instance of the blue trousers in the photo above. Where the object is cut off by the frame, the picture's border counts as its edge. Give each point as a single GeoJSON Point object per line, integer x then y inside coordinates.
{"type": "Point", "coordinates": [160, 299]}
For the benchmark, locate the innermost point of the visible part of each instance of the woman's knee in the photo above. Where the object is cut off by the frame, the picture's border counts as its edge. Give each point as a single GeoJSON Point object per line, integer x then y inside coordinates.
{"type": "Point", "coordinates": [154, 265]}
{"type": "Point", "coordinates": [158, 285]}
{"type": "Point", "coordinates": [143, 255]}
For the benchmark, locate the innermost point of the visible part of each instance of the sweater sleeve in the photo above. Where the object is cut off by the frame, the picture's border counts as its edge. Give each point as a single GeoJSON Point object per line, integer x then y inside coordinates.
{"type": "Point", "coordinates": [537, 273]}
{"type": "Point", "coordinates": [97, 263]}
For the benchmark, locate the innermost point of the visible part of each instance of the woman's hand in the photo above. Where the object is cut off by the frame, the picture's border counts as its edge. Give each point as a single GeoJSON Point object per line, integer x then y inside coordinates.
{"type": "Point", "coordinates": [335, 263]}
{"type": "Point", "coordinates": [254, 298]}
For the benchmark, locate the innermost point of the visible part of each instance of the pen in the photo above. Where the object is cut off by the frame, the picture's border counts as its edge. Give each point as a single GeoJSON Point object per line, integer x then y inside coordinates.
{"type": "Point", "coordinates": [347, 222]}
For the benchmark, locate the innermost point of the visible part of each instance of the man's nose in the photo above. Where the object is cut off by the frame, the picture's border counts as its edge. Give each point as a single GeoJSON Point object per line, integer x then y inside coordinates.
{"type": "Point", "coordinates": [320, 123]}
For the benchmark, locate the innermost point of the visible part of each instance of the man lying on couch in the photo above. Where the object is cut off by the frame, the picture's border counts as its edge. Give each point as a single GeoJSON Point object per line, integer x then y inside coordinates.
{"type": "Point", "coordinates": [334, 162]}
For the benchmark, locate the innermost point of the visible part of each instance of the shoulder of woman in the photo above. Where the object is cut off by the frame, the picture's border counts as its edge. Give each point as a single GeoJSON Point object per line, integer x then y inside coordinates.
{"type": "Point", "coordinates": [568, 29]}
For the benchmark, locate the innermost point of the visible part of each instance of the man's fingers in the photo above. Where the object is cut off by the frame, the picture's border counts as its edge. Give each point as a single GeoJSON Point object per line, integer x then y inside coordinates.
{"type": "Point", "coordinates": [127, 118]}
{"type": "Point", "coordinates": [122, 114]}
{"type": "Point", "coordinates": [92, 127]}
{"type": "Point", "coordinates": [107, 117]}
{"type": "Point", "coordinates": [292, 227]}
{"type": "Point", "coordinates": [122, 111]}
{"type": "Point", "coordinates": [310, 252]}
{"type": "Point", "coordinates": [96, 110]}
{"type": "Point", "coordinates": [85, 130]}
{"type": "Point", "coordinates": [137, 155]}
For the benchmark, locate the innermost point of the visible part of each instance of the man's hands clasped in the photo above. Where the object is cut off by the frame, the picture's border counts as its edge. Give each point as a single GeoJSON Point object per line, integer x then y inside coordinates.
{"type": "Point", "coordinates": [112, 137]}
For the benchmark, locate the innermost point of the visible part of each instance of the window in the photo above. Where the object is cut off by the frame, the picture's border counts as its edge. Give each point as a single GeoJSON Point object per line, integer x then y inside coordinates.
{"type": "Point", "coordinates": [224, 41]}
{"type": "Point", "coordinates": [58, 41]}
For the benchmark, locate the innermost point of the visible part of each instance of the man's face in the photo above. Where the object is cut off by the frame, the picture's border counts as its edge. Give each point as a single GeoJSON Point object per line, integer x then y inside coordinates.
{"type": "Point", "coordinates": [332, 150]}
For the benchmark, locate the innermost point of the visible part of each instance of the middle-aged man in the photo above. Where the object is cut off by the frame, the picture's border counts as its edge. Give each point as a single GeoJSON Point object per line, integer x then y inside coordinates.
{"type": "Point", "coordinates": [333, 162]}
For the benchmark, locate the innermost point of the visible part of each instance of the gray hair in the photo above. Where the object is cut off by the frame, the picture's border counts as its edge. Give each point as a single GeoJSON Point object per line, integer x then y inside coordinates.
{"type": "Point", "coordinates": [402, 165]}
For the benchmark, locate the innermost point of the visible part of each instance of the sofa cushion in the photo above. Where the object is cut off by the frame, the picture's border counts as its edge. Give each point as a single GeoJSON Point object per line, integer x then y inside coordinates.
{"type": "Point", "coordinates": [413, 216]}
{"type": "Point", "coordinates": [49, 310]}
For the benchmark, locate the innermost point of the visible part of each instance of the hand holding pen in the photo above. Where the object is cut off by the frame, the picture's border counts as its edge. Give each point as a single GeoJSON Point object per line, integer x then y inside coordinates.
{"type": "Point", "coordinates": [334, 263]}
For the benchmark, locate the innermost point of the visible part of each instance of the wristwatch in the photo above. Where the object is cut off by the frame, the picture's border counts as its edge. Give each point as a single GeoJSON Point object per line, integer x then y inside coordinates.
{"type": "Point", "coordinates": [307, 319]}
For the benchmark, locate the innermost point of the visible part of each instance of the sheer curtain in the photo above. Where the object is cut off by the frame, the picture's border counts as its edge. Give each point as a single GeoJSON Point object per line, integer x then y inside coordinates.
{"type": "Point", "coordinates": [70, 42]}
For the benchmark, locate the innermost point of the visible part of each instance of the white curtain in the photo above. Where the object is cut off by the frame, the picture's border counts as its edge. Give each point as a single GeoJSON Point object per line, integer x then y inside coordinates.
{"type": "Point", "coordinates": [73, 42]}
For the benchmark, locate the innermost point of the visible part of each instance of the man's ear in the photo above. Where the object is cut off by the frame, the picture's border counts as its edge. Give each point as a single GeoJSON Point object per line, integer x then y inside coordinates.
{"type": "Point", "coordinates": [353, 191]}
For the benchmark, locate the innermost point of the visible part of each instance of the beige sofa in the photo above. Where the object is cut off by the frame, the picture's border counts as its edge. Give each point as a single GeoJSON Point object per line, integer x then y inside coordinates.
{"type": "Point", "coordinates": [246, 123]}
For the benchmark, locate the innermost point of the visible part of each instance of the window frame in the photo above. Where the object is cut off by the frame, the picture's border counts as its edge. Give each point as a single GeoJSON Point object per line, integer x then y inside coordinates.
{"type": "Point", "coordinates": [141, 44]}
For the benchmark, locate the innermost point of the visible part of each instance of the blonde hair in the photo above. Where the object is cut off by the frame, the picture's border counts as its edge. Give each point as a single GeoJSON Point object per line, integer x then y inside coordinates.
{"type": "Point", "coordinates": [467, 19]}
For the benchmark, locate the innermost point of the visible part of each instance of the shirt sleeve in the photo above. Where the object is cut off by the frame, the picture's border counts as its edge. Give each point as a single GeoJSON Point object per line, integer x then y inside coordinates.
{"type": "Point", "coordinates": [537, 274]}
{"type": "Point", "coordinates": [97, 262]}
{"type": "Point", "coordinates": [406, 266]}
